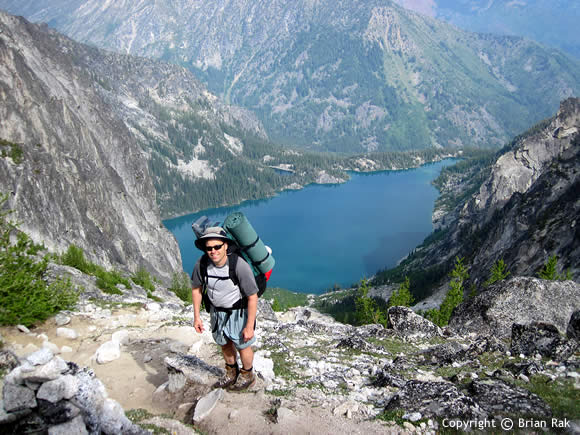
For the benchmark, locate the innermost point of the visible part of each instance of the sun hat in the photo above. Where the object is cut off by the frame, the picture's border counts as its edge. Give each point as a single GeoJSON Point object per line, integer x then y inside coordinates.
{"type": "Point", "coordinates": [212, 233]}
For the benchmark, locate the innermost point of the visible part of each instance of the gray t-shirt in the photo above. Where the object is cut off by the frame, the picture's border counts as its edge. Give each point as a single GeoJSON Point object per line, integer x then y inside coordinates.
{"type": "Point", "coordinates": [223, 292]}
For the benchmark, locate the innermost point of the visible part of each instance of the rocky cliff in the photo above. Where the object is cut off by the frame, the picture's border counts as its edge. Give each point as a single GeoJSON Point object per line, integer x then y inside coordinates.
{"type": "Point", "coordinates": [338, 75]}
{"type": "Point", "coordinates": [73, 171]}
{"type": "Point", "coordinates": [524, 208]}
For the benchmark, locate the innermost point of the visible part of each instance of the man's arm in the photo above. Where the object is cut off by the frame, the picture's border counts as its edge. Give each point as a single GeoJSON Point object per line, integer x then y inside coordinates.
{"type": "Point", "coordinates": [248, 331]}
{"type": "Point", "coordinates": [196, 297]}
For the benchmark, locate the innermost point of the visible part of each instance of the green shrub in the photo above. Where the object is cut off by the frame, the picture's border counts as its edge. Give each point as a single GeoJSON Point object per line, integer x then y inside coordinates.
{"type": "Point", "coordinates": [181, 286]}
{"type": "Point", "coordinates": [25, 297]}
{"type": "Point", "coordinates": [453, 297]}
{"type": "Point", "coordinates": [550, 271]}
{"type": "Point", "coordinates": [402, 297]}
{"type": "Point", "coordinates": [75, 257]}
{"type": "Point", "coordinates": [367, 309]}
{"type": "Point", "coordinates": [498, 273]}
{"type": "Point", "coordinates": [143, 278]}
{"type": "Point", "coordinates": [106, 280]}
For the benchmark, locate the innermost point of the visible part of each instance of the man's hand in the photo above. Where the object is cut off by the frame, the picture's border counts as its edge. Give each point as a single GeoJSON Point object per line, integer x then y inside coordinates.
{"type": "Point", "coordinates": [198, 325]}
{"type": "Point", "coordinates": [247, 333]}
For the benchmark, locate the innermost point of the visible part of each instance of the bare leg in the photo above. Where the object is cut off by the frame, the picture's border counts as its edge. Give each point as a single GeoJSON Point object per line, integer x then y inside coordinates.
{"type": "Point", "coordinates": [247, 357]}
{"type": "Point", "coordinates": [229, 353]}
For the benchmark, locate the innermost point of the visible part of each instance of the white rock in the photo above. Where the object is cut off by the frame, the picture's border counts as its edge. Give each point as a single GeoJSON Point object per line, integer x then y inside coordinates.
{"type": "Point", "coordinates": [23, 328]}
{"type": "Point", "coordinates": [107, 352]}
{"type": "Point", "coordinates": [46, 372]}
{"type": "Point", "coordinates": [29, 349]}
{"type": "Point", "coordinates": [61, 319]}
{"type": "Point", "coordinates": [68, 333]}
{"type": "Point", "coordinates": [92, 328]}
{"type": "Point", "coordinates": [413, 416]}
{"type": "Point", "coordinates": [75, 426]}
{"type": "Point", "coordinates": [264, 365]}
{"type": "Point", "coordinates": [195, 348]}
{"type": "Point", "coordinates": [51, 346]}
{"type": "Point", "coordinates": [120, 337]}
{"type": "Point", "coordinates": [66, 349]}
{"type": "Point", "coordinates": [40, 357]}
{"type": "Point", "coordinates": [64, 387]}
{"type": "Point", "coordinates": [153, 306]}
{"type": "Point", "coordinates": [233, 414]}
{"type": "Point", "coordinates": [523, 377]}
{"type": "Point", "coordinates": [346, 408]}
{"type": "Point", "coordinates": [206, 404]}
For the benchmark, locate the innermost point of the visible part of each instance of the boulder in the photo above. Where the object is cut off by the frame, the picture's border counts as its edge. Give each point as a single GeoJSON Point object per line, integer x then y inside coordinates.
{"type": "Point", "coordinates": [8, 360]}
{"type": "Point", "coordinates": [409, 324]}
{"type": "Point", "coordinates": [573, 330]}
{"type": "Point", "coordinates": [435, 399]}
{"type": "Point", "coordinates": [520, 300]}
{"type": "Point", "coordinates": [542, 338]}
{"type": "Point", "coordinates": [182, 368]}
{"type": "Point", "coordinates": [498, 397]}
{"type": "Point", "coordinates": [107, 352]}
{"type": "Point", "coordinates": [206, 404]}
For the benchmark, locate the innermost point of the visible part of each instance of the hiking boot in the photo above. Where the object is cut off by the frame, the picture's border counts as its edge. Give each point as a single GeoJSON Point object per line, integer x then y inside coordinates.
{"type": "Point", "coordinates": [229, 378]}
{"type": "Point", "coordinates": [246, 379]}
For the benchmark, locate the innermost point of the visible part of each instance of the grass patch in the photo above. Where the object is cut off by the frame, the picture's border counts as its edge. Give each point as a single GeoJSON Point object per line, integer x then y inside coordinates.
{"type": "Point", "coordinates": [393, 346]}
{"type": "Point", "coordinates": [107, 281]}
{"type": "Point", "coordinates": [279, 392]}
{"type": "Point", "coordinates": [282, 366]}
{"type": "Point", "coordinates": [284, 299]}
{"type": "Point", "coordinates": [181, 286]}
{"type": "Point", "coordinates": [560, 394]}
{"type": "Point", "coordinates": [143, 278]}
{"type": "Point", "coordinates": [395, 415]}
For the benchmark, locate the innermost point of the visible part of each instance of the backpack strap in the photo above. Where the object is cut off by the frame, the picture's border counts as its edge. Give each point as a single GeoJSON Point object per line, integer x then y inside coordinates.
{"type": "Point", "coordinates": [232, 263]}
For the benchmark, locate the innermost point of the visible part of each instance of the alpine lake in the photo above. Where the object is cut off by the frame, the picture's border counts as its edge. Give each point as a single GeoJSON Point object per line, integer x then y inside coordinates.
{"type": "Point", "coordinates": [328, 236]}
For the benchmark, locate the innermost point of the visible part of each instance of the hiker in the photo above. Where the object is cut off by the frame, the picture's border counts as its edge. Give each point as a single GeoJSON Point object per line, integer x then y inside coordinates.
{"type": "Point", "coordinates": [233, 307]}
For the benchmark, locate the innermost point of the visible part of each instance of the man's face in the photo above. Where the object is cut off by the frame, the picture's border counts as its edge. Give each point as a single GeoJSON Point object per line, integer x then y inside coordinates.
{"type": "Point", "coordinates": [217, 256]}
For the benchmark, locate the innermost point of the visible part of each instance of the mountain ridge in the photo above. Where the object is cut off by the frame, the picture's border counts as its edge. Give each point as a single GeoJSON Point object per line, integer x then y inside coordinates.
{"type": "Point", "coordinates": [339, 76]}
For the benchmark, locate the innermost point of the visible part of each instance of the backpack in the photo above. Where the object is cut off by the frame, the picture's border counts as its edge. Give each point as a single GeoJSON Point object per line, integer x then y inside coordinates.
{"type": "Point", "coordinates": [233, 258]}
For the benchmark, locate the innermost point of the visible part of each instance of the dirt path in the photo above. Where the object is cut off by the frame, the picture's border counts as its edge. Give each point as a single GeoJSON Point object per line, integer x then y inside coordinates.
{"type": "Point", "coordinates": [133, 378]}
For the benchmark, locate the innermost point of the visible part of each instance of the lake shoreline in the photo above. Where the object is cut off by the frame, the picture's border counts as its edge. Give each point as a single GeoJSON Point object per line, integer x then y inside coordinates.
{"type": "Point", "coordinates": [310, 230]}
{"type": "Point", "coordinates": [303, 186]}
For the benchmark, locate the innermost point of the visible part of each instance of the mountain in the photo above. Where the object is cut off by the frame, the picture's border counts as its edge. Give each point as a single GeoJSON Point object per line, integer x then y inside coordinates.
{"type": "Point", "coordinates": [336, 75]}
{"type": "Point", "coordinates": [521, 206]}
{"type": "Point", "coordinates": [73, 171]}
{"type": "Point", "coordinates": [549, 22]}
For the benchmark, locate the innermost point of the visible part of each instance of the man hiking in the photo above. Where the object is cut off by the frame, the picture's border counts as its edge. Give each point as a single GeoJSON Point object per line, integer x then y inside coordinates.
{"type": "Point", "coordinates": [233, 305]}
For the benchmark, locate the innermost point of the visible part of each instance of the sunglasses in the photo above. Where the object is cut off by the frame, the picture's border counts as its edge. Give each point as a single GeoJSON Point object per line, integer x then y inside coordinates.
{"type": "Point", "coordinates": [214, 247]}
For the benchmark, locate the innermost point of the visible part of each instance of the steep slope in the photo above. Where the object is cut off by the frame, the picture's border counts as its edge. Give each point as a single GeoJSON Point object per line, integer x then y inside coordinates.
{"type": "Point", "coordinates": [524, 209]}
{"type": "Point", "coordinates": [74, 172]}
{"type": "Point", "coordinates": [337, 75]}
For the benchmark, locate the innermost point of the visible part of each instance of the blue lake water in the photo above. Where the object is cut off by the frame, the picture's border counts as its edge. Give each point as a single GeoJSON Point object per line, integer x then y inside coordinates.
{"type": "Point", "coordinates": [327, 235]}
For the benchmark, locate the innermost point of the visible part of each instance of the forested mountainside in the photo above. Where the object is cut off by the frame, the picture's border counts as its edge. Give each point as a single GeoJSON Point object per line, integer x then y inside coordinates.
{"type": "Point", "coordinates": [551, 22]}
{"type": "Point", "coordinates": [73, 171]}
{"type": "Point", "coordinates": [521, 207]}
{"type": "Point", "coordinates": [336, 75]}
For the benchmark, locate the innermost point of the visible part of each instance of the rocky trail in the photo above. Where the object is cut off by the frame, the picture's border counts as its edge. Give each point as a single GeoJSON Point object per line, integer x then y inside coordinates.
{"type": "Point", "coordinates": [315, 375]}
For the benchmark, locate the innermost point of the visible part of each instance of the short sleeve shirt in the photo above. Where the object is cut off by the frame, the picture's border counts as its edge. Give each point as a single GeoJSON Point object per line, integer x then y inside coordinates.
{"type": "Point", "coordinates": [221, 290]}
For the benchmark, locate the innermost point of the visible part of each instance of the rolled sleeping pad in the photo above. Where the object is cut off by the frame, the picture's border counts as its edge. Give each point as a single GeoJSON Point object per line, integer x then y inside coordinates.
{"type": "Point", "coordinates": [238, 226]}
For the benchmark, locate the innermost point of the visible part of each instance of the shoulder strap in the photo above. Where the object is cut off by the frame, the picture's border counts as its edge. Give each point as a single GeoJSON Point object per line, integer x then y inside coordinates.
{"type": "Point", "coordinates": [203, 263]}
{"type": "Point", "coordinates": [232, 263]}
